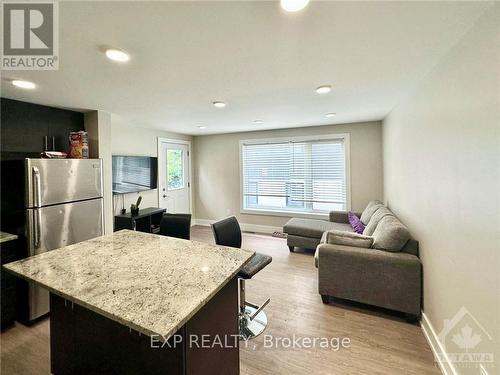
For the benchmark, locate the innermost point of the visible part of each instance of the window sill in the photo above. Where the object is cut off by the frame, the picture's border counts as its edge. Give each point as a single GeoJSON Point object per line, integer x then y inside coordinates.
{"type": "Point", "coordinates": [307, 215]}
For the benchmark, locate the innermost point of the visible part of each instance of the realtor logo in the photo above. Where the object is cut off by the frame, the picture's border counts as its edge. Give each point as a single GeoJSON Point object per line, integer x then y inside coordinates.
{"type": "Point", "coordinates": [30, 35]}
{"type": "Point", "coordinates": [465, 342]}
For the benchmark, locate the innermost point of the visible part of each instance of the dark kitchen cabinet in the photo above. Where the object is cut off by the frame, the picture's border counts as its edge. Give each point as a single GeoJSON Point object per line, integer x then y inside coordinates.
{"type": "Point", "coordinates": [8, 254]}
{"type": "Point", "coordinates": [25, 125]}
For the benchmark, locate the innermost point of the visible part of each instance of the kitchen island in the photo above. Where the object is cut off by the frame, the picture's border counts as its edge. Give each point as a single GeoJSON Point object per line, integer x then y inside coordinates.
{"type": "Point", "coordinates": [139, 303]}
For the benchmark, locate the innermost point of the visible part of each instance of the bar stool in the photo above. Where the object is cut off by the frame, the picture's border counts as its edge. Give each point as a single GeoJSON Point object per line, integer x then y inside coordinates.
{"type": "Point", "coordinates": [252, 318]}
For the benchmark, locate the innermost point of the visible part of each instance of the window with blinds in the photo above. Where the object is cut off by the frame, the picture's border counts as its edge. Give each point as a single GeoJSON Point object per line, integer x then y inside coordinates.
{"type": "Point", "coordinates": [295, 175]}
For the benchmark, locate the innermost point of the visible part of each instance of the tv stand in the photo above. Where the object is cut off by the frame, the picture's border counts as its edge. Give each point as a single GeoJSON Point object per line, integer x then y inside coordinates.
{"type": "Point", "coordinates": [147, 220]}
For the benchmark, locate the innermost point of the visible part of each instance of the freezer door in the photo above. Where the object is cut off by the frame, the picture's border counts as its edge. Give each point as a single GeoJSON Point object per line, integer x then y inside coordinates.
{"type": "Point", "coordinates": [55, 181]}
{"type": "Point", "coordinates": [57, 226]}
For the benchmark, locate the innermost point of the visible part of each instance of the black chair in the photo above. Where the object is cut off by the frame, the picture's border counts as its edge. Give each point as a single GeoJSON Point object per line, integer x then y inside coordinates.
{"type": "Point", "coordinates": [176, 225]}
{"type": "Point", "coordinates": [253, 319]}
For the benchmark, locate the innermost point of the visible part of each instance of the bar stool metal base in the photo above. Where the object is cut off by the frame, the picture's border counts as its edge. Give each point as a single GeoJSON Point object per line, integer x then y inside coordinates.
{"type": "Point", "coordinates": [250, 328]}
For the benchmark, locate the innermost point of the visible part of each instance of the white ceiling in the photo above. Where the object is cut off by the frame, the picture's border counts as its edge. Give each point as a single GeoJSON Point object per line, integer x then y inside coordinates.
{"type": "Point", "coordinates": [265, 63]}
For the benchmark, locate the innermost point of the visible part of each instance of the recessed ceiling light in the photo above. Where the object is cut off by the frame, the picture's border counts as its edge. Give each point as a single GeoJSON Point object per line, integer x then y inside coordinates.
{"type": "Point", "coordinates": [202, 127]}
{"type": "Point", "coordinates": [293, 5]}
{"type": "Point", "coordinates": [258, 122]}
{"type": "Point", "coordinates": [325, 89]}
{"type": "Point", "coordinates": [23, 84]}
{"type": "Point", "coordinates": [117, 55]}
{"type": "Point", "coordinates": [331, 114]}
{"type": "Point", "coordinates": [219, 104]}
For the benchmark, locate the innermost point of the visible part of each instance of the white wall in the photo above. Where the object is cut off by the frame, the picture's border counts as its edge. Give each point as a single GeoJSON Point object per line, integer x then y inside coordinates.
{"type": "Point", "coordinates": [127, 140]}
{"type": "Point", "coordinates": [442, 178]}
{"type": "Point", "coordinates": [217, 170]}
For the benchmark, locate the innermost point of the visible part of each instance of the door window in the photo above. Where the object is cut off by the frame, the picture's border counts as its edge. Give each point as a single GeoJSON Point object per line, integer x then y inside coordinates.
{"type": "Point", "coordinates": [175, 169]}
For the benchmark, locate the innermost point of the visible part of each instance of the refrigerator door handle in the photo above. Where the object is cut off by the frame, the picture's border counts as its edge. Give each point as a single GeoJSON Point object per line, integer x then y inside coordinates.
{"type": "Point", "coordinates": [37, 190]}
{"type": "Point", "coordinates": [37, 202]}
{"type": "Point", "coordinates": [37, 219]}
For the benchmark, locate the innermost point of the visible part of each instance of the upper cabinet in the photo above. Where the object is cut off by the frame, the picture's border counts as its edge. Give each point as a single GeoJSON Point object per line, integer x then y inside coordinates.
{"type": "Point", "coordinates": [25, 126]}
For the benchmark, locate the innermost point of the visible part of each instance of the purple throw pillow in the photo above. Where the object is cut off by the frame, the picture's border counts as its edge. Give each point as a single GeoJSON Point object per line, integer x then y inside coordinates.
{"type": "Point", "coordinates": [356, 224]}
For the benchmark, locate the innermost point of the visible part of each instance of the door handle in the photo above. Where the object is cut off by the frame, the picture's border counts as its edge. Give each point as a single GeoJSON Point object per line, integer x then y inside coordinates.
{"type": "Point", "coordinates": [37, 219]}
{"type": "Point", "coordinates": [37, 202]}
{"type": "Point", "coordinates": [37, 193]}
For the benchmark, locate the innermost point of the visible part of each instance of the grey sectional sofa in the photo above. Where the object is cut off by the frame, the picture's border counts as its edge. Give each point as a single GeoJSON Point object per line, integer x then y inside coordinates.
{"type": "Point", "coordinates": [380, 267]}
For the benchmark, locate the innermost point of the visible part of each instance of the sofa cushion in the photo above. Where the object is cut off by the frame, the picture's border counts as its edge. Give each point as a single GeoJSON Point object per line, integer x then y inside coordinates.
{"type": "Point", "coordinates": [370, 210]}
{"type": "Point", "coordinates": [312, 227]}
{"type": "Point", "coordinates": [374, 220]}
{"type": "Point", "coordinates": [336, 237]}
{"type": "Point", "coordinates": [390, 234]}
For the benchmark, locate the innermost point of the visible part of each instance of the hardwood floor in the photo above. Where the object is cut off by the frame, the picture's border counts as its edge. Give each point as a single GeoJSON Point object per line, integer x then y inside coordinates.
{"type": "Point", "coordinates": [380, 342]}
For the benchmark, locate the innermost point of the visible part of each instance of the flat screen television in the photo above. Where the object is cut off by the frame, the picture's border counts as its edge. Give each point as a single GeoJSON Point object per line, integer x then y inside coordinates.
{"type": "Point", "coordinates": [134, 173]}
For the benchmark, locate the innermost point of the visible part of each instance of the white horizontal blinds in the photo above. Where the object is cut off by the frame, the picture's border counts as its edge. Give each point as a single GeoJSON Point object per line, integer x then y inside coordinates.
{"type": "Point", "coordinates": [294, 175]}
{"type": "Point", "coordinates": [328, 175]}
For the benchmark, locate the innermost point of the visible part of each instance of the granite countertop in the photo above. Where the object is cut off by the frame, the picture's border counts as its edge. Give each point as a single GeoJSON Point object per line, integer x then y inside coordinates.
{"type": "Point", "coordinates": [4, 237]}
{"type": "Point", "coordinates": [153, 284]}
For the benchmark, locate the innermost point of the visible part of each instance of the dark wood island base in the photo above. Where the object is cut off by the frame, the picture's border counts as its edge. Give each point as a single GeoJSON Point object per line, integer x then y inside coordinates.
{"type": "Point", "coordinates": [85, 342]}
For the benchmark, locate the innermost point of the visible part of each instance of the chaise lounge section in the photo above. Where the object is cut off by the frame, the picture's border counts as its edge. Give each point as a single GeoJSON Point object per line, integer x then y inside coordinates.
{"type": "Point", "coordinates": [307, 233]}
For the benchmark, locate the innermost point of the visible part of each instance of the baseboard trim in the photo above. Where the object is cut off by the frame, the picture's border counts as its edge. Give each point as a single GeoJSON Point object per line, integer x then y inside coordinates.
{"type": "Point", "coordinates": [446, 366]}
{"type": "Point", "coordinates": [267, 229]}
{"type": "Point", "coordinates": [202, 222]}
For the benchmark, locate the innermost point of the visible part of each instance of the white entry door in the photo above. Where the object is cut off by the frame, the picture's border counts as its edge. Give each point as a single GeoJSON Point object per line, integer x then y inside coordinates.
{"type": "Point", "coordinates": [174, 191]}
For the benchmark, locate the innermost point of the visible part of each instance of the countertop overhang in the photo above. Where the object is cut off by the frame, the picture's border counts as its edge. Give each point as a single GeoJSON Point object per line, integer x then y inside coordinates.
{"type": "Point", "coordinates": [150, 283]}
{"type": "Point", "coordinates": [4, 237]}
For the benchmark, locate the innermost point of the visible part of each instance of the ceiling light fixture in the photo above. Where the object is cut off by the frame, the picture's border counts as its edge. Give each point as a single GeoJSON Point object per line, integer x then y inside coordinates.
{"type": "Point", "coordinates": [258, 122]}
{"type": "Point", "coordinates": [202, 127]}
{"type": "Point", "coordinates": [293, 5]}
{"type": "Point", "coordinates": [325, 89]}
{"type": "Point", "coordinates": [331, 114]}
{"type": "Point", "coordinates": [219, 104]}
{"type": "Point", "coordinates": [23, 84]}
{"type": "Point", "coordinates": [117, 55]}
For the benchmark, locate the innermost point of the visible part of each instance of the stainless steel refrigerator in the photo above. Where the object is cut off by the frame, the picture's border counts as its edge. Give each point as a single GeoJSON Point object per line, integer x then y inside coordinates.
{"type": "Point", "coordinates": [63, 205]}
